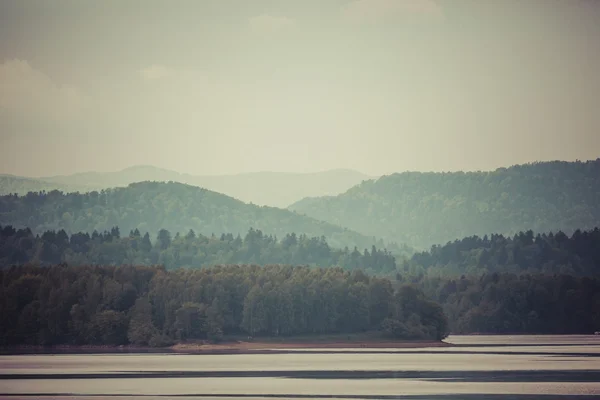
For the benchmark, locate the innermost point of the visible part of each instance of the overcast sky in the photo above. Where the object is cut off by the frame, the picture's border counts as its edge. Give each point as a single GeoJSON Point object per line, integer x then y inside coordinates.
{"type": "Point", "coordinates": [224, 86]}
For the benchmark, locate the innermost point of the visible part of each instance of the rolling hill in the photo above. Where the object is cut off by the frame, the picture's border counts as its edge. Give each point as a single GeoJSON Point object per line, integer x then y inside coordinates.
{"type": "Point", "coordinates": [422, 209]}
{"type": "Point", "coordinates": [276, 189]}
{"type": "Point", "coordinates": [151, 206]}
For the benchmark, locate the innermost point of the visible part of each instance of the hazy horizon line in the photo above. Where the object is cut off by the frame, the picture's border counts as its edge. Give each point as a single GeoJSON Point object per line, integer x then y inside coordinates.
{"type": "Point", "coordinates": [347, 169]}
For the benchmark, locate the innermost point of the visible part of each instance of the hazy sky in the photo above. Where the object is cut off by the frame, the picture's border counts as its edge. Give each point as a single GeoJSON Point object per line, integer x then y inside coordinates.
{"type": "Point", "coordinates": [224, 86]}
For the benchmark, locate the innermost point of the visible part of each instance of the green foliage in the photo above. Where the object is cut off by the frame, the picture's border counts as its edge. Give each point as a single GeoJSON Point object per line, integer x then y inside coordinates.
{"type": "Point", "coordinates": [141, 329]}
{"type": "Point", "coordinates": [517, 304]}
{"type": "Point", "coordinates": [528, 283]}
{"type": "Point", "coordinates": [109, 248]}
{"type": "Point", "coordinates": [525, 252]}
{"type": "Point", "coordinates": [175, 207]}
{"type": "Point", "coordinates": [415, 317]}
{"type": "Point", "coordinates": [425, 208]}
{"type": "Point", "coordinates": [107, 327]}
{"type": "Point", "coordinates": [152, 306]}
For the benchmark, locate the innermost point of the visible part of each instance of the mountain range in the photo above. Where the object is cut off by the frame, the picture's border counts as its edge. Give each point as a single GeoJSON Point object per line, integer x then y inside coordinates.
{"type": "Point", "coordinates": [276, 189]}
{"type": "Point", "coordinates": [421, 209]}
{"type": "Point", "coordinates": [414, 209]}
{"type": "Point", "coordinates": [176, 207]}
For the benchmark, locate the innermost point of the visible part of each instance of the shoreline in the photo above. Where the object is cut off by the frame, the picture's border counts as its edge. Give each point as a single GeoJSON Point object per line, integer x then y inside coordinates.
{"type": "Point", "coordinates": [229, 347]}
{"type": "Point", "coordinates": [268, 346]}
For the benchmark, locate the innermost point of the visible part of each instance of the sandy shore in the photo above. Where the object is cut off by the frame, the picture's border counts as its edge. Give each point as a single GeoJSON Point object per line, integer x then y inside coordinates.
{"type": "Point", "coordinates": [258, 346]}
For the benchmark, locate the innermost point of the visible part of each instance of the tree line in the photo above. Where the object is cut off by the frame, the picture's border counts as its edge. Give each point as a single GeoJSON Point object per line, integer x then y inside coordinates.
{"type": "Point", "coordinates": [140, 305]}
{"type": "Point", "coordinates": [21, 246]}
{"type": "Point", "coordinates": [525, 252]}
{"type": "Point", "coordinates": [108, 305]}
{"type": "Point", "coordinates": [512, 304]}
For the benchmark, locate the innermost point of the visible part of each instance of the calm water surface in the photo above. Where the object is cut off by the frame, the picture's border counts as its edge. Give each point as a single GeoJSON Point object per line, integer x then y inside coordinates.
{"type": "Point", "coordinates": [478, 367]}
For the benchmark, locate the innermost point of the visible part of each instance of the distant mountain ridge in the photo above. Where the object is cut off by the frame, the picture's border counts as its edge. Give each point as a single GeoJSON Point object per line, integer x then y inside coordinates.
{"type": "Point", "coordinates": [421, 209]}
{"type": "Point", "coordinates": [177, 207]}
{"type": "Point", "coordinates": [277, 189]}
{"type": "Point", "coordinates": [10, 184]}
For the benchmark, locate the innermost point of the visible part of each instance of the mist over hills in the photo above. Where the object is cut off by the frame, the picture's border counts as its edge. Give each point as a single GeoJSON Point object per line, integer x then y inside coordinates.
{"type": "Point", "coordinates": [177, 207]}
{"type": "Point", "coordinates": [21, 185]}
{"type": "Point", "coordinates": [414, 208]}
{"type": "Point", "coordinates": [277, 189]}
{"type": "Point", "coordinates": [422, 209]}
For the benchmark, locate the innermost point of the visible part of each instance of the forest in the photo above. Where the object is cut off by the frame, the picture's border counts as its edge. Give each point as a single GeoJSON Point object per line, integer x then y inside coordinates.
{"type": "Point", "coordinates": [421, 209]}
{"type": "Point", "coordinates": [503, 303]}
{"type": "Point", "coordinates": [525, 252]}
{"type": "Point", "coordinates": [528, 283]}
{"type": "Point", "coordinates": [21, 246]}
{"type": "Point", "coordinates": [176, 207]}
{"type": "Point", "coordinates": [150, 306]}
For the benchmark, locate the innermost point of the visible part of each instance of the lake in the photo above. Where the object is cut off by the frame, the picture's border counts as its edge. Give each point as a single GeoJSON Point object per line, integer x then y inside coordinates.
{"type": "Point", "coordinates": [478, 367]}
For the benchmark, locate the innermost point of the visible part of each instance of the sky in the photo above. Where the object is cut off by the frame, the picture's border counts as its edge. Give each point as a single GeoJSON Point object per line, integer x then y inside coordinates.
{"type": "Point", "coordinates": [221, 87]}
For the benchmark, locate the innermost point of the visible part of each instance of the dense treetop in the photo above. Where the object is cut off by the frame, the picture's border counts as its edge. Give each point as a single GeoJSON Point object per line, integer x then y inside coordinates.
{"type": "Point", "coordinates": [525, 252]}
{"type": "Point", "coordinates": [503, 303]}
{"type": "Point", "coordinates": [421, 209]}
{"type": "Point", "coordinates": [151, 206]}
{"type": "Point", "coordinates": [151, 306]}
{"type": "Point", "coordinates": [21, 246]}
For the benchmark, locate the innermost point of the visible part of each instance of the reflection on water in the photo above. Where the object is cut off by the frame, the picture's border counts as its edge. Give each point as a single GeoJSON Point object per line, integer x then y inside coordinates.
{"type": "Point", "coordinates": [486, 368]}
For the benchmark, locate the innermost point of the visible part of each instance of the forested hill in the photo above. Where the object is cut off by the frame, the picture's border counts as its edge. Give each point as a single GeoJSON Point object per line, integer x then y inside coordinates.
{"type": "Point", "coordinates": [151, 206]}
{"type": "Point", "coordinates": [422, 209]}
